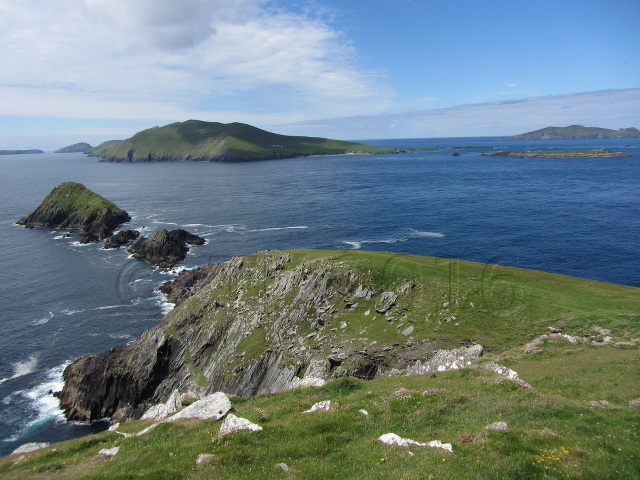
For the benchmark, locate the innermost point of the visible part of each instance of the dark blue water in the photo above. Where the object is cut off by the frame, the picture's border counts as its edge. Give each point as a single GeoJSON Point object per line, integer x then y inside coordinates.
{"type": "Point", "coordinates": [60, 300]}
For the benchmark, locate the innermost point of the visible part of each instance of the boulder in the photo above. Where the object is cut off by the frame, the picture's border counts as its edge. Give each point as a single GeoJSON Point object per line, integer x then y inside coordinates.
{"type": "Point", "coordinates": [109, 452]}
{"type": "Point", "coordinates": [324, 406]}
{"type": "Point", "coordinates": [395, 440]}
{"type": "Point", "coordinates": [214, 406]}
{"type": "Point", "coordinates": [120, 239]}
{"type": "Point", "coordinates": [501, 426]}
{"type": "Point", "coordinates": [233, 424]}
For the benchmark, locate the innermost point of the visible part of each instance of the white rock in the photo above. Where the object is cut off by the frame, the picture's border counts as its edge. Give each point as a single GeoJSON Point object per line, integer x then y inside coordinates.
{"type": "Point", "coordinates": [282, 466]}
{"type": "Point", "coordinates": [364, 412]}
{"type": "Point", "coordinates": [29, 447]}
{"type": "Point", "coordinates": [163, 410]}
{"type": "Point", "coordinates": [393, 439]}
{"type": "Point", "coordinates": [232, 423]}
{"type": "Point", "coordinates": [323, 406]}
{"type": "Point", "coordinates": [114, 427]}
{"type": "Point", "coordinates": [204, 457]}
{"type": "Point", "coordinates": [502, 426]}
{"type": "Point", "coordinates": [214, 406]}
{"type": "Point", "coordinates": [306, 382]}
{"type": "Point", "coordinates": [109, 452]}
{"type": "Point", "coordinates": [408, 331]}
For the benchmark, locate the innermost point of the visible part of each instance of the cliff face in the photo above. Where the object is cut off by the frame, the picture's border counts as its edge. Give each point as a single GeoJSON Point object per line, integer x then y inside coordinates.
{"type": "Point", "coordinates": [72, 205]}
{"type": "Point", "coordinates": [257, 324]}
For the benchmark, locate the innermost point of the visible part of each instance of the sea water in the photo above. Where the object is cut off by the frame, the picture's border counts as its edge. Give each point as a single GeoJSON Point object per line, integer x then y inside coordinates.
{"type": "Point", "coordinates": [60, 300]}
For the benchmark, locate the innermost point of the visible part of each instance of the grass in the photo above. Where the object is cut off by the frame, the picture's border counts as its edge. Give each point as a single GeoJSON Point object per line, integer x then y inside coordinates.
{"type": "Point", "coordinates": [212, 141]}
{"type": "Point", "coordinates": [553, 431]}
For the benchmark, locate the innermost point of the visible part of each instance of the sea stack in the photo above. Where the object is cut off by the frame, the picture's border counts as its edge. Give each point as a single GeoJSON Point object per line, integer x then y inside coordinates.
{"type": "Point", "coordinates": [72, 205]}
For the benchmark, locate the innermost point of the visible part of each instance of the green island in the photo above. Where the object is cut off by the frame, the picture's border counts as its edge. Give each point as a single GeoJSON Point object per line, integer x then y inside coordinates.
{"type": "Point", "coordinates": [196, 140]}
{"type": "Point", "coordinates": [557, 383]}
{"type": "Point", "coordinates": [576, 131]}
{"type": "Point", "coordinates": [80, 147]}
{"type": "Point", "coordinates": [71, 205]}
{"type": "Point", "coordinates": [20, 152]}
{"type": "Point", "coordinates": [593, 153]}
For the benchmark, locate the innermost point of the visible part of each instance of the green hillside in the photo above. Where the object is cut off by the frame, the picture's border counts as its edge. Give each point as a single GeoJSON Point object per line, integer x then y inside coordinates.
{"type": "Point", "coordinates": [196, 140]}
{"type": "Point", "coordinates": [575, 413]}
{"type": "Point", "coordinates": [576, 131]}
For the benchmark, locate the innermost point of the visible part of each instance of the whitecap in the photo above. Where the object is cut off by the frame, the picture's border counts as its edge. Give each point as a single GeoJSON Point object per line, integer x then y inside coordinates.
{"type": "Point", "coordinates": [44, 320]}
{"type": "Point", "coordinates": [71, 312]}
{"type": "Point", "coordinates": [418, 233]}
{"type": "Point", "coordinates": [24, 367]}
{"type": "Point", "coordinates": [273, 229]}
{"type": "Point", "coordinates": [357, 245]}
{"type": "Point", "coordinates": [354, 245]}
{"type": "Point", "coordinates": [109, 307]}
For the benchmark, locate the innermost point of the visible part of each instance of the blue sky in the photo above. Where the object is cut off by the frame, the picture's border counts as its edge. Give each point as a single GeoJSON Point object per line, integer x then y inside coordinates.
{"type": "Point", "coordinates": [73, 70]}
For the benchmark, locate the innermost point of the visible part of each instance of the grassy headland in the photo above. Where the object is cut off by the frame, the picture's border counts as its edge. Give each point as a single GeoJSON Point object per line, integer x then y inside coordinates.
{"type": "Point", "coordinates": [579, 420]}
{"type": "Point", "coordinates": [196, 140]}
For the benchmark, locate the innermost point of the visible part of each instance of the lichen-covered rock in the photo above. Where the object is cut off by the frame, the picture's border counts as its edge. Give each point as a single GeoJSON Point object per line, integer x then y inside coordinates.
{"type": "Point", "coordinates": [71, 205]}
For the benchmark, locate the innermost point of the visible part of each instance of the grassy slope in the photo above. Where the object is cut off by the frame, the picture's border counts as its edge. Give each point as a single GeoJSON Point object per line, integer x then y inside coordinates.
{"type": "Point", "coordinates": [103, 148]}
{"type": "Point", "coordinates": [576, 131]}
{"type": "Point", "coordinates": [195, 140]}
{"type": "Point", "coordinates": [511, 306]}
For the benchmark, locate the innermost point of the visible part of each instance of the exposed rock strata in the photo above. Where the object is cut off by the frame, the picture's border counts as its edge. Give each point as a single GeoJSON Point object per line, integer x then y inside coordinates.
{"type": "Point", "coordinates": [166, 248]}
{"type": "Point", "coordinates": [71, 205]}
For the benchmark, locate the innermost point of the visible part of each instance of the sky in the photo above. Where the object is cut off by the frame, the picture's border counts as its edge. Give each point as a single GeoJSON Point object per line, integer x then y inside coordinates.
{"type": "Point", "coordinates": [92, 70]}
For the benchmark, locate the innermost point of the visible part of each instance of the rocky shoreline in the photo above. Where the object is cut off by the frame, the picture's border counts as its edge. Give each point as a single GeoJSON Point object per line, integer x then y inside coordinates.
{"type": "Point", "coordinates": [568, 154]}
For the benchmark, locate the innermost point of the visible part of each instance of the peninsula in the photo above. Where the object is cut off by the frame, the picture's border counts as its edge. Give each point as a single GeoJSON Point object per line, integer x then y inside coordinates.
{"type": "Point", "coordinates": [195, 140]}
{"type": "Point", "coordinates": [575, 132]}
{"type": "Point", "coordinates": [594, 153]}
{"type": "Point", "coordinates": [72, 205]}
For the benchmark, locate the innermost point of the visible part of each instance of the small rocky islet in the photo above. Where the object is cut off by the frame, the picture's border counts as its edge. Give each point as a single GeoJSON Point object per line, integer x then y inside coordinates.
{"type": "Point", "coordinates": [73, 206]}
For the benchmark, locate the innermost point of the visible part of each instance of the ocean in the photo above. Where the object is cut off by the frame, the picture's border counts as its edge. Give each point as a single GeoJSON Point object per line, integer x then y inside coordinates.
{"type": "Point", "coordinates": [60, 300]}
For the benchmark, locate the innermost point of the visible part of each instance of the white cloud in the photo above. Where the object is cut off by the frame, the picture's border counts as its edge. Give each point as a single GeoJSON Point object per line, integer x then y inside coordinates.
{"type": "Point", "coordinates": [608, 108]}
{"type": "Point", "coordinates": [155, 59]}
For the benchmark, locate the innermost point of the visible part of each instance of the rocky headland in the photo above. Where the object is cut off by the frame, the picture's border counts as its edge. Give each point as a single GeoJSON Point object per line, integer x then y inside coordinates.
{"type": "Point", "coordinates": [71, 205]}
{"type": "Point", "coordinates": [81, 147]}
{"type": "Point", "coordinates": [576, 132]}
{"type": "Point", "coordinates": [166, 248]}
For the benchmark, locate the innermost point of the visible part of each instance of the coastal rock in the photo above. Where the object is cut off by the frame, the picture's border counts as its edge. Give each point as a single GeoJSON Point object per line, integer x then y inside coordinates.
{"type": "Point", "coordinates": [71, 205]}
{"type": "Point", "coordinates": [120, 239]}
{"type": "Point", "coordinates": [188, 283]}
{"type": "Point", "coordinates": [213, 407]}
{"type": "Point", "coordinates": [109, 452]}
{"type": "Point", "coordinates": [166, 248]}
{"type": "Point", "coordinates": [323, 406]}
{"type": "Point", "coordinates": [396, 440]}
{"type": "Point", "coordinates": [29, 447]}
{"type": "Point", "coordinates": [233, 424]}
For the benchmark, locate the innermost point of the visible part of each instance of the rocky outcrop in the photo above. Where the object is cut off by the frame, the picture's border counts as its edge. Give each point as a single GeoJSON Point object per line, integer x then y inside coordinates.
{"type": "Point", "coordinates": [188, 283]}
{"type": "Point", "coordinates": [122, 238]}
{"type": "Point", "coordinates": [71, 205]}
{"type": "Point", "coordinates": [258, 324]}
{"type": "Point", "coordinates": [166, 248]}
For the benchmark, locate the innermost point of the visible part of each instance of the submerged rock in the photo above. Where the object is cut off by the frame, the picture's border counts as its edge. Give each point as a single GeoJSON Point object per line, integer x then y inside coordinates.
{"type": "Point", "coordinates": [71, 205]}
{"type": "Point", "coordinates": [166, 248]}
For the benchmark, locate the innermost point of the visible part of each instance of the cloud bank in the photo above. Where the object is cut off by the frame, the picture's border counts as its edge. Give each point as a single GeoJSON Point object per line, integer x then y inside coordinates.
{"type": "Point", "coordinates": [608, 109]}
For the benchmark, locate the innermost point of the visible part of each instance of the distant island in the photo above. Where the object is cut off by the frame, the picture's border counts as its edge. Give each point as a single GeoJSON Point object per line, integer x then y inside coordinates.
{"type": "Point", "coordinates": [575, 132]}
{"type": "Point", "coordinates": [595, 153]}
{"type": "Point", "coordinates": [19, 152]}
{"type": "Point", "coordinates": [196, 140]}
{"type": "Point", "coordinates": [81, 147]}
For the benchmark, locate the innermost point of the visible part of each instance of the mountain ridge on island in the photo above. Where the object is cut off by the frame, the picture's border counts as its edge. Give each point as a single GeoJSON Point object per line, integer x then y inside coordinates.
{"type": "Point", "coordinates": [575, 132]}
{"type": "Point", "coordinates": [196, 140]}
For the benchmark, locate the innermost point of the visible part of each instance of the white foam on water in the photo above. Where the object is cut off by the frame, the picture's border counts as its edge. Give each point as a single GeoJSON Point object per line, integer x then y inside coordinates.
{"type": "Point", "coordinates": [109, 307]}
{"type": "Point", "coordinates": [71, 312]}
{"type": "Point", "coordinates": [42, 401]}
{"type": "Point", "coordinates": [24, 367]}
{"type": "Point", "coordinates": [43, 320]}
{"type": "Point", "coordinates": [418, 233]}
{"type": "Point", "coordinates": [273, 229]}
{"type": "Point", "coordinates": [357, 245]}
